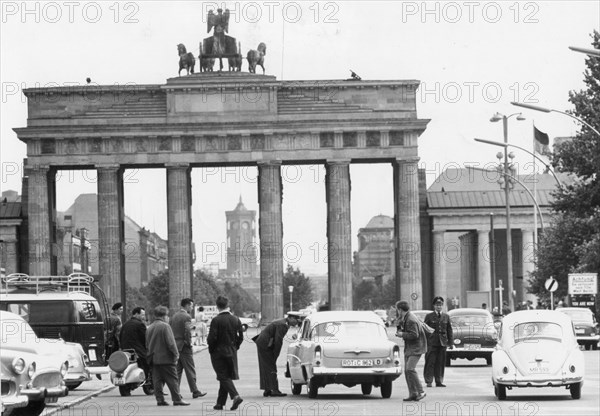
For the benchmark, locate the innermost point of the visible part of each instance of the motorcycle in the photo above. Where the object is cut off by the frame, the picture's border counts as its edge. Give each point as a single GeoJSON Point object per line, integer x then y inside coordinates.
{"type": "Point", "coordinates": [127, 375]}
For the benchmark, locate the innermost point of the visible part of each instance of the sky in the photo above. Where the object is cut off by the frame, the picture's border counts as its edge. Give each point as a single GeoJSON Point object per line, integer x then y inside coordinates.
{"type": "Point", "coordinates": [472, 58]}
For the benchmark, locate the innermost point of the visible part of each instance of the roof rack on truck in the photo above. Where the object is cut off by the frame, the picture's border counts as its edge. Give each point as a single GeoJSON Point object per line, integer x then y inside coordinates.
{"type": "Point", "coordinates": [75, 282]}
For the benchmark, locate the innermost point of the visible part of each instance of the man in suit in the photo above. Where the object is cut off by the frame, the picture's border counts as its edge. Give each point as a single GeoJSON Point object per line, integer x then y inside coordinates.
{"type": "Point", "coordinates": [181, 324]}
{"type": "Point", "coordinates": [411, 331]}
{"type": "Point", "coordinates": [114, 329]}
{"type": "Point", "coordinates": [268, 345]}
{"type": "Point", "coordinates": [133, 337]}
{"type": "Point", "coordinates": [224, 339]}
{"type": "Point", "coordinates": [163, 355]}
{"type": "Point", "coordinates": [439, 340]}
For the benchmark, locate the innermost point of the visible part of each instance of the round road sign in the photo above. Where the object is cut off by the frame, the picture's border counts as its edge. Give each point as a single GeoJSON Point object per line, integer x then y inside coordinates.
{"type": "Point", "coordinates": [551, 284]}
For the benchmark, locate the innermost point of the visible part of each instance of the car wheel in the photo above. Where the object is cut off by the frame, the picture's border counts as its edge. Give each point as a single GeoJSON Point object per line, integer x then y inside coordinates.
{"type": "Point", "coordinates": [73, 386]}
{"type": "Point", "coordinates": [500, 391]}
{"type": "Point", "coordinates": [448, 361]}
{"type": "Point", "coordinates": [576, 390]}
{"type": "Point", "coordinates": [594, 347]}
{"type": "Point", "coordinates": [488, 360]}
{"type": "Point", "coordinates": [386, 389]}
{"type": "Point", "coordinates": [148, 389]}
{"type": "Point", "coordinates": [366, 388]}
{"type": "Point", "coordinates": [587, 347]}
{"type": "Point", "coordinates": [32, 409]}
{"type": "Point", "coordinates": [313, 388]}
{"type": "Point", "coordinates": [124, 391]}
{"type": "Point", "coordinates": [296, 388]}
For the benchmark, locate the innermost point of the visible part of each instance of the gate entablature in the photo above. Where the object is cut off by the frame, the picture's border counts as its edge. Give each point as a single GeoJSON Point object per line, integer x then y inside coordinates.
{"type": "Point", "coordinates": [222, 118]}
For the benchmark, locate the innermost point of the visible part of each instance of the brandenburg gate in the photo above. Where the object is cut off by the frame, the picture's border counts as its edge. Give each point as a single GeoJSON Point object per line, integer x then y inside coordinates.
{"type": "Point", "coordinates": [225, 119]}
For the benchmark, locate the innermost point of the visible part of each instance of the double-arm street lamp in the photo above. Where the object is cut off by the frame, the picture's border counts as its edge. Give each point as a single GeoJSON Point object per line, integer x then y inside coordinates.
{"type": "Point", "coordinates": [507, 185]}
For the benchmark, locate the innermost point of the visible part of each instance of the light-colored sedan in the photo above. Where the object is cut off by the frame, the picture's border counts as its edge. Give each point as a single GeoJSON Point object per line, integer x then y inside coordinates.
{"type": "Point", "coordinates": [537, 348]}
{"type": "Point", "coordinates": [343, 347]}
{"type": "Point", "coordinates": [36, 370]}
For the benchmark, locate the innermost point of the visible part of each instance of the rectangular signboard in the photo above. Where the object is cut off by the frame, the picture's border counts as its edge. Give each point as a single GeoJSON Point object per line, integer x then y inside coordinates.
{"type": "Point", "coordinates": [583, 283]}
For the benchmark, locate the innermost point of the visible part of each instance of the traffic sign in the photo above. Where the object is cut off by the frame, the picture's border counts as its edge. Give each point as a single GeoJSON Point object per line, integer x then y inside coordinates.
{"type": "Point", "coordinates": [551, 284]}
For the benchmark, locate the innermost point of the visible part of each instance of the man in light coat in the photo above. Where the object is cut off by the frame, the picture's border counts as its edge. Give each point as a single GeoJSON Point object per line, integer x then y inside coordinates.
{"type": "Point", "coordinates": [411, 331]}
{"type": "Point", "coordinates": [163, 355]}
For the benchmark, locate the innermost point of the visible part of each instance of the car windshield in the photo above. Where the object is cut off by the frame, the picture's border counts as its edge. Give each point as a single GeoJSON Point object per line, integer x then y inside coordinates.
{"type": "Point", "coordinates": [534, 331]}
{"type": "Point", "coordinates": [580, 316]}
{"type": "Point", "coordinates": [470, 320]}
{"type": "Point", "coordinates": [349, 330]}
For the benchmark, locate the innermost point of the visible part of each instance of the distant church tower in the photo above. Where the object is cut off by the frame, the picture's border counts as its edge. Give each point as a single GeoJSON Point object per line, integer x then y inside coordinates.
{"type": "Point", "coordinates": [242, 248]}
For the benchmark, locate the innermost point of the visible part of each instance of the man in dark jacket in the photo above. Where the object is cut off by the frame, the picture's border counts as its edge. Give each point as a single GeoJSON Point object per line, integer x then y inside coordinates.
{"type": "Point", "coordinates": [133, 337]}
{"type": "Point", "coordinates": [224, 339]}
{"type": "Point", "coordinates": [438, 341]}
{"type": "Point", "coordinates": [268, 345]}
{"type": "Point", "coordinates": [114, 329]}
{"type": "Point", "coordinates": [181, 323]}
{"type": "Point", "coordinates": [163, 355]}
{"type": "Point", "coordinates": [415, 345]}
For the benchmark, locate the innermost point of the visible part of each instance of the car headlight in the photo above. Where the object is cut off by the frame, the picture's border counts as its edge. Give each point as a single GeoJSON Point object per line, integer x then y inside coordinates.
{"type": "Point", "coordinates": [31, 370]}
{"type": "Point", "coordinates": [18, 365]}
{"type": "Point", "coordinates": [457, 341]}
{"type": "Point", "coordinates": [64, 368]}
{"type": "Point", "coordinates": [572, 368]}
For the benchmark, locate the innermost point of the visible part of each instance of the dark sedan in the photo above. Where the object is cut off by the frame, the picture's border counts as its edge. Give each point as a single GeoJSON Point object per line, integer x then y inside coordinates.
{"type": "Point", "coordinates": [474, 334]}
{"type": "Point", "coordinates": [586, 327]}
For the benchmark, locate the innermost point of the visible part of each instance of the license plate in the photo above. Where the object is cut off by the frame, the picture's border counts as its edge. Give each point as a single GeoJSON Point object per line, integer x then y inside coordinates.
{"type": "Point", "coordinates": [472, 347]}
{"type": "Point", "coordinates": [580, 331]}
{"type": "Point", "coordinates": [118, 381]}
{"type": "Point", "coordinates": [92, 355]}
{"type": "Point", "coordinates": [539, 370]}
{"type": "Point", "coordinates": [357, 363]}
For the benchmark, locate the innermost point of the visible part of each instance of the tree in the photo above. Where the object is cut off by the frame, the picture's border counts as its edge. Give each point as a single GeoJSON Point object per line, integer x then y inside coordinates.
{"type": "Point", "coordinates": [240, 301]}
{"type": "Point", "coordinates": [135, 297]}
{"type": "Point", "coordinates": [157, 290]}
{"type": "Point", "coordinates": [205, 288]}
{"type": "Point", "coordinates": [573, 243]}
{"type": "Point", "coordinates": [302, 296]}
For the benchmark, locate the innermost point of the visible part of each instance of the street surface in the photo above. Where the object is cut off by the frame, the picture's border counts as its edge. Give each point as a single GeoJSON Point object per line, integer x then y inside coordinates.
{"type": "Point", "coordinates": [469, 393]}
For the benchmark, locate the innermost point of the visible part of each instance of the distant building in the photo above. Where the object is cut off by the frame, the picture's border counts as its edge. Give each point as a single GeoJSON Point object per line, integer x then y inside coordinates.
{"type": "Point", "coordinates": [375, 255]}
{"type": "Point", "coordinates": [242, 249]}
{"type": "Point", "coordinates": [11, 229]}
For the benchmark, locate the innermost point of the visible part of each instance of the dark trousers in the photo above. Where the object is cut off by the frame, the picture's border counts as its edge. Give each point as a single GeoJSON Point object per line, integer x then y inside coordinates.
{"type": "Point", "coordinates": [226, 387]}
{"type": "Point", "coordinates": [165, 373]}
{"type": "Point", "coordinates": [435, 364]}
{"type": "Point", "coordinates": [267, 366]}
{"type": "Point", "coordinates": [186, 362]}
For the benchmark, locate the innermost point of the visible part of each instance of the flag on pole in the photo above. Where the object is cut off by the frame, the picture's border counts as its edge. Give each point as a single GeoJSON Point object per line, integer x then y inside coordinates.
{"type": "Point", "coordinates": [541, 142]}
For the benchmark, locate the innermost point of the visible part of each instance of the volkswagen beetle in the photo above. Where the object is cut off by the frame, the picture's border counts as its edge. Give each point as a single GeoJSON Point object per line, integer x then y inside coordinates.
{"type": "Point", "coordinates": [537, 348]}
{"type": "Point", "coordinates": [343, 347]}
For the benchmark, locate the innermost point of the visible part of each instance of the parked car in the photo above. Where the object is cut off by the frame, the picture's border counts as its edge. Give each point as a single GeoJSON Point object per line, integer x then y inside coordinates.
{"type": "Point", "coordinates": [537, 348]}
{"type": "Point", "coordinates": [37, 370]}
{"type": "Point", "coordinates": [586, 327]}
{"type": "Point", "coordinates": [474, 333]}
{"type": "Point", "coordinates": [343, 347]}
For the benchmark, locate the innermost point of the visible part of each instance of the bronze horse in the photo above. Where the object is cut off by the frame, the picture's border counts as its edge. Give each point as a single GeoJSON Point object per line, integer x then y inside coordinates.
{"type": "Point", "coordinates": [186, 59]}
{"type": "Point", "coordinates": [257, 57]}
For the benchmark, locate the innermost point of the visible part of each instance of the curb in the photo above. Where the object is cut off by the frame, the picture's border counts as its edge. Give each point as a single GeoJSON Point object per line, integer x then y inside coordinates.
{"type": "Point", "coordinates": [79, 400]}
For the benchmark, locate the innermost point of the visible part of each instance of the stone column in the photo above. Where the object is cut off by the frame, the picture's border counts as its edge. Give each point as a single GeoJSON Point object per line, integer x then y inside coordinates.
{"type": "Point", "coordinates": [528, 256]}
{"type": "Point", "coordinates": [39, 221]}
{"type": "Point", "coordinates": [110, 232]}
{"type": "Point", "coordinates": [440, 284]}
{"type": "Point", "coordinates": [484, 272]}
{"type": "Point", "coordinates": [339, 234]}
{"type": "Point", "coordinates": [407, 231]}
{"type": "Point", "coordinates": [270, 229]}
{"type": "Point", "coordinates": [180, 233]}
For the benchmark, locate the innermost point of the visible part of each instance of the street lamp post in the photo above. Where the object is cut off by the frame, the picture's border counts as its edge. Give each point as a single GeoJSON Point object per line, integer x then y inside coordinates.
{"type": "Point", "coordinates": [291, 289]}
{"type": "Point", "coordinates": [548, 110]}
{"type": "Point", "coordinates": [507, 183]}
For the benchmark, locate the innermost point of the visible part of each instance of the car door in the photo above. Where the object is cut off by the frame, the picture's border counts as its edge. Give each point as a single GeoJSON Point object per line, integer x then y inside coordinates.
{"type": "Point", "coordinates": [296, 353]}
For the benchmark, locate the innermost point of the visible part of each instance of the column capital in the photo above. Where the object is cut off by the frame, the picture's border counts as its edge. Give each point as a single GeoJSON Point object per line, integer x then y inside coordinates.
{"type": "Point", "coordinates": [269, 163]}
{"type": "Point", "coordinates": [403, 160]}
{"type": "Point", "coordinates": [37, 167]}
{"type": "Point", "coordinates": [177, 165]}
{"type": "Point", "coordinates": [483, 230]}
{"type": "Point", "coordinates": [108, 166]}
{"type": "Point", "coordinates": [337, 162]}
{"type": "Point", "coordinates": [438, 231]}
